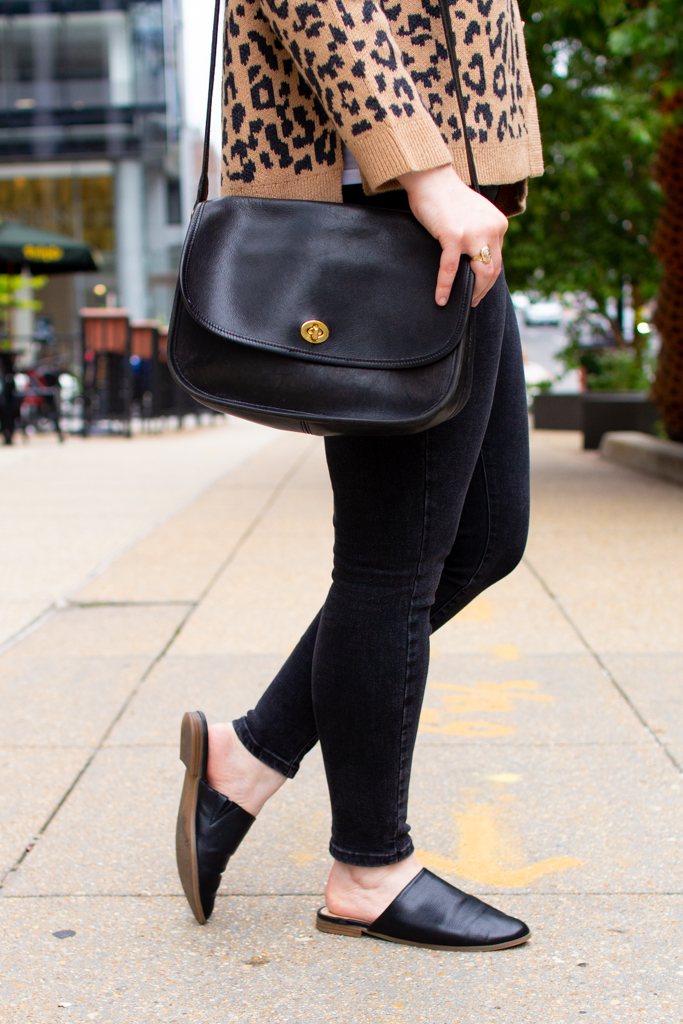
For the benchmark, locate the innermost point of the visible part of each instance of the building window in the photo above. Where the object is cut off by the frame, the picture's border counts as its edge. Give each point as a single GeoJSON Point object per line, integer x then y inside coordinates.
{"type": "Point", "coordinates": [173, 211]}
{"type": "Point", "coordinates": [80, 207]}
{"type": "Point", "coordinates": [76, 81]}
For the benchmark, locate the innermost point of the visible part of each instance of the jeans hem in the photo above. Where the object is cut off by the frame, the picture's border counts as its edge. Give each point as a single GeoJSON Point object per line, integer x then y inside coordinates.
{"type": "Point", "coordinates": [369, 860]}
{"type": "Point", "coordinates": [265, 756]}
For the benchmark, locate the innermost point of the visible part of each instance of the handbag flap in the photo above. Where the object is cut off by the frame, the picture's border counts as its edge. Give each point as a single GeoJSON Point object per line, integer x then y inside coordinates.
{"type": "Point", "coordinates": [257, 270]}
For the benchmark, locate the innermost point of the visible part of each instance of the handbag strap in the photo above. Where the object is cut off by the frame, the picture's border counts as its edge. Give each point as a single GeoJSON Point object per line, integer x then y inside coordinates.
{"type": "Point", "coordinates": [203, 187]}
{"type": "Point", "coordinates": [450, 46]}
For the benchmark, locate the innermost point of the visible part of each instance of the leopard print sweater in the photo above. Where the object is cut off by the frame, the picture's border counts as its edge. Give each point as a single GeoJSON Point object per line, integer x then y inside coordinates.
{"type": "Point", "coordinates": [302, 77]}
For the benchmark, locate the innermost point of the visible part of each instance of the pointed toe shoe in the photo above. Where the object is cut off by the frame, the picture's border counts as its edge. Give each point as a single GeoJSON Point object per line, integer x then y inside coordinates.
{"type": "Point", "coordinates": [432, 913]}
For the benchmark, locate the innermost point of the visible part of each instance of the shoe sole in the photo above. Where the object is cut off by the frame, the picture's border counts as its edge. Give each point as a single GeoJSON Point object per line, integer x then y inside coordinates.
{"type": "Point", "coordinates": [357, 931]}
{"type": "Point", "coordinates": [191, 754]}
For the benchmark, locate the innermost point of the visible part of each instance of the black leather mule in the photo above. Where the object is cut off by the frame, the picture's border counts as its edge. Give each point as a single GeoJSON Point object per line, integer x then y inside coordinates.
{"type": "Point", "coordinates": [434, 914]}
{"type": "Point", "coordinates": [210, 826]}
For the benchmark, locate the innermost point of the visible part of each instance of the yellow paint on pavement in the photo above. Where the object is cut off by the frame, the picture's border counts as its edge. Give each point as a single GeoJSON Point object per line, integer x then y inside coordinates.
{"type": "Point", "coordinates": [489, 852]}
{"type": "Point", "coordinates": [506, 652]}
{"type": "Point", "coordinates": [480, 610]}
{"type": "Point", "coordinates": [482, 696]}
{"type": "Point", "coordinates": [430, 721]}
{"type": "Point", "coordinates": [305, 856]}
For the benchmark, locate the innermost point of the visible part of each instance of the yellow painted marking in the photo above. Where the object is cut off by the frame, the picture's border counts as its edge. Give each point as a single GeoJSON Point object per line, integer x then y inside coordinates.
{"type": "Point", "coordinates": [461, 728]}
{"type": "Point", "coordinates": [506, 652]}
{"type": "Point", "coordinates": [505, 777]}
{"type": "Point", "coordinates": [488, 696]}
{"type": "Point", "coordinates": [480, 610]}
{"type": "Point", "coordinates": [489, 852]}
{"type": "Point", "coordinates": [306, 856]}
{"type": "Point", "coordinates": [482, 696]}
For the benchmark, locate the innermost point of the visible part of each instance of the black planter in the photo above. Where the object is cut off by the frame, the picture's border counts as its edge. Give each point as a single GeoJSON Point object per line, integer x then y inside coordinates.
{"type": "Point", "coordinates": [604, 411]}
{"type": "Point", "coordinates": [558, 412]}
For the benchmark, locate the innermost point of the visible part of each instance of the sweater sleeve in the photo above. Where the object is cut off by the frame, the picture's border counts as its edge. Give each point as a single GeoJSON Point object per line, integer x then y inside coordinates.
{"type": "Point", "coordinates": [346, 52]}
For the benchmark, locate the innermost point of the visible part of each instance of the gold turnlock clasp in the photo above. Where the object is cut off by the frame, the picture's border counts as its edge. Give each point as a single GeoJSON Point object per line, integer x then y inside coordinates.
{"type": "Point", "coordinates": [315, 331]}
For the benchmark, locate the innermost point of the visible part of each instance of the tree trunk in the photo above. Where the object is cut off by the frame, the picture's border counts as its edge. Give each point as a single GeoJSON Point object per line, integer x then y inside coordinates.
{"type": "Point", "coordinates": [667, 389]}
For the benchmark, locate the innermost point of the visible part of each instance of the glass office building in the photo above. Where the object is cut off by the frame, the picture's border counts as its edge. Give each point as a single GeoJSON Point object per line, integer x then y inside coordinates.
{"type": "Point", "coordinates": [90, 133]}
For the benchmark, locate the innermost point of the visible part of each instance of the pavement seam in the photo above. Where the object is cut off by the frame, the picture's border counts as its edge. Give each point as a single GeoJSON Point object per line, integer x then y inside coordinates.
{"type": "Point", "coordinates": [258, 518]}
{"type": "Point", "coordinates": [244, 537]}
{"type": "Point", "coordinates": [174, 895]}
{"type": "Point", "coordinates": [602, 666]}
{"type": "Point", "coordinates": [519, 894]}
{"type": "Point", "coordinates": [63, 601]}
{"type": "Point", "coordinates": [32, 626]}
{"type": "Point", "coordinates": [130, 604]}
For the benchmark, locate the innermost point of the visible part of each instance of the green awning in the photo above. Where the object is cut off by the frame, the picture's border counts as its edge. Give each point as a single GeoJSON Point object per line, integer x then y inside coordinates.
{"type": "Point", "coordinates": [43, 252]}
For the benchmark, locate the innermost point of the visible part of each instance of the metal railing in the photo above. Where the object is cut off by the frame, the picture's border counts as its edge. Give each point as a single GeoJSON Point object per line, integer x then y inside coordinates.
{"type": "Point", "coordinates": [125, 375]}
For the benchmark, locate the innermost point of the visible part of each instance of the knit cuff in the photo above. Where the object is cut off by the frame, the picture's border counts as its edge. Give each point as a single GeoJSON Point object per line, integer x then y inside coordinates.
{"type": "Point", "coordinates": [385, 152]}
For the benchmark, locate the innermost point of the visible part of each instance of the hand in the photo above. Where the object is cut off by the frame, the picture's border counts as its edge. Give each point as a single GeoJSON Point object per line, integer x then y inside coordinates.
{"type": "Point", "coordinates": [462, 221]}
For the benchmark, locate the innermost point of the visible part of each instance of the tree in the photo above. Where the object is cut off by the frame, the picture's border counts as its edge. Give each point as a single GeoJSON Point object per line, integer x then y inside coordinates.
{"type": "Point", "coordinates": [651, 36]}
{"type": "Point", "coordinates": [590, 218]}
{"type": "Point", "coordinates": [609, 81]}
{"type": "Point", "coordinates": [667, 389]}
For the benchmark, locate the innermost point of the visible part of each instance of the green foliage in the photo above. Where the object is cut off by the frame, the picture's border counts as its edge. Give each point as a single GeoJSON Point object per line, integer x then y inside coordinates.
{"type": "Point", "coordinates": [542, 388]}
{"type": "Point", "coordinates": [607, 369]}
{"type": "Point", "coordinates": [590, 217]}
{"type": "Point", "coordinates": [653, 35]}
{"type": "Point", "coordinates": [591, 348]}
{"type": "Point", "coordinates": [617, 371]}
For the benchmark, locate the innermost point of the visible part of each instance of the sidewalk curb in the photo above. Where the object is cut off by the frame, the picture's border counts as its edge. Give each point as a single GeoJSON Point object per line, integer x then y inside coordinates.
{"type": "Point", "coordinates": [643, 452]}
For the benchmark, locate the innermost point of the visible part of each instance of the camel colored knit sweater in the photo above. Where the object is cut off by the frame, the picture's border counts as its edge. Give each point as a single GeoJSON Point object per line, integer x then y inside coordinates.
{"type": "Point", "coordinates": [300, 78]}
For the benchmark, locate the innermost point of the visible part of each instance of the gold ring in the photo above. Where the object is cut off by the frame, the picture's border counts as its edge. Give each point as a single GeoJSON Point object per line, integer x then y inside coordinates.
{"type": "Point", "coordinates": [484, 255]}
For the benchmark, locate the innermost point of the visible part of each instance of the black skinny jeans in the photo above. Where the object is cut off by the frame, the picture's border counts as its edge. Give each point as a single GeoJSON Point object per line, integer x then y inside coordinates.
{"type": "Point", "coordinates": [423, 524]}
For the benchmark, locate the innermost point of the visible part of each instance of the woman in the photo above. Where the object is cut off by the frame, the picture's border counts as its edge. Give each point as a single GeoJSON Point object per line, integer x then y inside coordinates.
{"type": "Point", "coordinates": [347, 100]}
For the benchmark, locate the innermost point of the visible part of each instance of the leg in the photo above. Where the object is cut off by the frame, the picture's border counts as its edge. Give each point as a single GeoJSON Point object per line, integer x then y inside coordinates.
{"type": "Point", "coordinates": [490, 538]}
{"type": "Point", "coordinates": [412, 514]}
{"type": "Point", "coordinates": [250, 759]}
{"type": "Point", "coordinates": [281, 729]}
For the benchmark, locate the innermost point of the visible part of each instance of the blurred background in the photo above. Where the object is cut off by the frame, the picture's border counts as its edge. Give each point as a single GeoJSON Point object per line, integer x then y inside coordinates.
{"type": "Point", "coordinates": [601, 237]}
{"type": "Point", "coordinates": [102, 104]}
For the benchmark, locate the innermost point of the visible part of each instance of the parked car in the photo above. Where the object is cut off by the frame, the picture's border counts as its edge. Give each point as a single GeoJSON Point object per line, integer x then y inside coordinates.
{"type": "Point", "coordinates": [548, 311]}
{"type": "Point", "coordinates": [520, 300]}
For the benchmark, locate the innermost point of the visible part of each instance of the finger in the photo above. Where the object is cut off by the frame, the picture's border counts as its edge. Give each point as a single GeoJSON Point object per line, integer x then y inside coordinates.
{"type": "Point", "coordinates": [448, 268]}
{"type": "Point", "coordinates": [484, 279]}
{"type": "Point", "coordinates": [485, 276]}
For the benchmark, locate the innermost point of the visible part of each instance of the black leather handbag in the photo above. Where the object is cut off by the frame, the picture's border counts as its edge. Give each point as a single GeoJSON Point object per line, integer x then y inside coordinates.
{"type": "Point", "coordinates": [320, 317]}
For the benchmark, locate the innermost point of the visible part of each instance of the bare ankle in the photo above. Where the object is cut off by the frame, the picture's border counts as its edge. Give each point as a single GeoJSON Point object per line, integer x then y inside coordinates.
{"type": "Point", "coordinates": [363, 893]}
{"type": "Point", "coordinates": [236, 773]}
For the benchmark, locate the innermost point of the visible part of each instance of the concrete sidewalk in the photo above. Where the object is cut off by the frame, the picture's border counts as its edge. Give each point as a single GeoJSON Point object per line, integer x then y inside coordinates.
{"type": "Point", "coordinates": [547, 776]}
{"type": "Point", "coordinates": [69, 510]}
